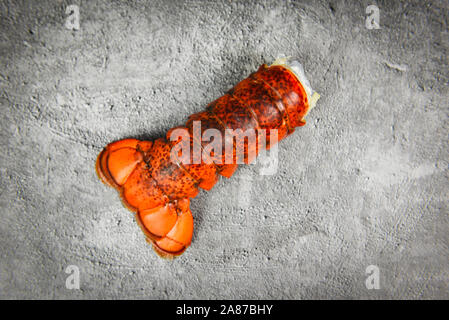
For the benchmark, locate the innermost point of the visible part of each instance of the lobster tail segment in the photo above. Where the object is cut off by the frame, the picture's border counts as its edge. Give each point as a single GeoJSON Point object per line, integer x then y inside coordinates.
{"type": "Point", "coordinates": [296, 68]}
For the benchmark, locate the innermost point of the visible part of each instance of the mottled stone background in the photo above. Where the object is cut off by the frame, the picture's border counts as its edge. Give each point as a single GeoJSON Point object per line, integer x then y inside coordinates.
{"type": "Point", "coordinates": [365, 182]}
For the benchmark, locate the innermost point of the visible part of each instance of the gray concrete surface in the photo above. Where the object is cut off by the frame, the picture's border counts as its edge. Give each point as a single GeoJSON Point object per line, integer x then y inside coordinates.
{"type": "Point", "coordinates": [365, 182]}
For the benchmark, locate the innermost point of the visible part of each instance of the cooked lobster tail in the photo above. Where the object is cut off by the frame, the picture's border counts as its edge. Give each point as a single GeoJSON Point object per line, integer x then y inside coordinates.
{"type": "Point", "coordinates": [155, 182]}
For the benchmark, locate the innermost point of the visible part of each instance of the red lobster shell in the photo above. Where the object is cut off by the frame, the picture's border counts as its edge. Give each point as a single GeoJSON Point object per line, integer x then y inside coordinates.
{"type": "Point", "coordinates": [156, 179]}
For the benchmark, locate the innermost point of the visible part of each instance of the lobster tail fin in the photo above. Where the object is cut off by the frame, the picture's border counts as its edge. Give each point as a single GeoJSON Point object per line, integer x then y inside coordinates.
{"type": "Point", "coordinates": [169, 227]}
{"type": "Point", "coordinates": [119, 159]}
{"type": "Point", "coordinates": [167, 224]}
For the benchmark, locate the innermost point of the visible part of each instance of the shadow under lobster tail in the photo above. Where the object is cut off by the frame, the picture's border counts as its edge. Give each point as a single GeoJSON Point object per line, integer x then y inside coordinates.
{"type": "Point", "coordinates": [126, 166]}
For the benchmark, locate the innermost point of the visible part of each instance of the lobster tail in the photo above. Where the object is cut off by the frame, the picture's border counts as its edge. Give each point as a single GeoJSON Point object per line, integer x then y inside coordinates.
{"type": "Point", "coordinates": [156, 182]}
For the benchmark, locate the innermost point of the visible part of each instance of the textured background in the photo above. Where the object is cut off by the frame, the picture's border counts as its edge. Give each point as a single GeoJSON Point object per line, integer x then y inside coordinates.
{"type": "Point", "coordinates": [364, 183]}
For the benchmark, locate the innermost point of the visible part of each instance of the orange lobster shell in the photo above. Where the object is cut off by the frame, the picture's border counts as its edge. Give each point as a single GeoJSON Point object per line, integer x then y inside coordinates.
{"type": "Point", "coordinates": [158, 187]}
